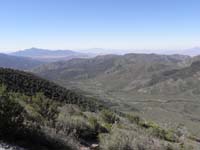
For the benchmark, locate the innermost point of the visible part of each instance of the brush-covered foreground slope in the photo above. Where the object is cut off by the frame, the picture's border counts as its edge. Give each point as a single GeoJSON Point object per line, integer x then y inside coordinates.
{"type": "Point", "coordinates": [161, 87]}
{"type": "Point", "coordinates": [37, 114]}
{"type": "Point", "coordinates": [22, 63]}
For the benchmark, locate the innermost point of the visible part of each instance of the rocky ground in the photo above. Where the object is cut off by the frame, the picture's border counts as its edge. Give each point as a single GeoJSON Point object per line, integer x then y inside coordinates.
{"type": "Point", "coordinates": [4, 146]}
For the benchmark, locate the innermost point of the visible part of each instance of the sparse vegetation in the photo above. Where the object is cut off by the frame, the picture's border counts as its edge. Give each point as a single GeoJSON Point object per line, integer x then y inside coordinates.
{"type": "Point", "coordinates": [163, 88]}
{"type": "Point", "coordinates": [45, 121]}
{"type": "Point", "coordinates": [109, 117]}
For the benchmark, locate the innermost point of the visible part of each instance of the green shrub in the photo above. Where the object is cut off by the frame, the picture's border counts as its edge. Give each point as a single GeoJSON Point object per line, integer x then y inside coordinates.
{"type": "Point", "coordinates": [93, 122]}
{"type": "Point", "coordinates": [170, 136]}
{"type": "Point", "coordinates": [120, 139]}
{"type": "Point", "coordinates": [108, 126]}
{"type": "Point", "coordinates": [47, 108]}
{"type": "Point", "coordinates": [134, 119]}
{"type": "Point", "coordinates": [161, 133]}
{"type": "Point", "coordinates": [75, 125]}
{"type": "Point", "coordinates": [156, 130]}
{"type": "Point", "coordinates": [11, 116]}
{"type": "Point", "coordinates": [117, 140]}
{"type": "Point", "coordinates": [109, 117]}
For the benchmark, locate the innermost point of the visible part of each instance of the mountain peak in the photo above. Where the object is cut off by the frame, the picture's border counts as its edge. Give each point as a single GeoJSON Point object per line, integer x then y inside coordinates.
{"type": "Point", "coordinates": [33, 48]}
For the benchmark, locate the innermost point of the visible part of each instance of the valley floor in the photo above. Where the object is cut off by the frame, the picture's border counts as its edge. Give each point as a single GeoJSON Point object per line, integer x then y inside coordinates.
{"type": "Point", "coordinates": [169, 110]}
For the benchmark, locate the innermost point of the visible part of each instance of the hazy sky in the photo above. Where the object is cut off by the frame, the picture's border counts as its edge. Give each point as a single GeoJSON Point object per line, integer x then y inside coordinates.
{"type": "Point", "coordinates": [127, 24]}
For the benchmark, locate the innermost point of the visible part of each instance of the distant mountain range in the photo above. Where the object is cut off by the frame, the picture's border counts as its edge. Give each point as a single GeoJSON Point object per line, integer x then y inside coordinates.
{"type": "Point", "coordinates": [36, 52]}
{"type": "Point", "coordinates": [101, 51]}
{"type": "Point", "coordinates": [49, 55]}
{"type": "Point", "coordinates": [190, 52]}
{"type": "Point", "coordinates": [31, 58]}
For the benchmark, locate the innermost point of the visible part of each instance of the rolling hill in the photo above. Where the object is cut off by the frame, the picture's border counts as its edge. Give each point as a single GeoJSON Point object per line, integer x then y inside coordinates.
{"type": "Point", "coordinates": [178, 81]}
{"type": "Point", "coordinates": [15, 62]}
{"type": "Point", "coordinates": [129, 70]}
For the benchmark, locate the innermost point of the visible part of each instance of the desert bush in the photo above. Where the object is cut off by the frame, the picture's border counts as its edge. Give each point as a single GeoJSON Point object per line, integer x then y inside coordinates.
{"type": "Point", "coordinates": [11, 116]}
{"type": "Point", "coordinates": [156, 130]}
{"type": "Point", "coordinates": [16, 126]}
{"type": "Point", "coordinates": [117, 140]}
{"type": "Point", "coordinates": [47, 108]}
{"type": "Point", "coordinates": [134, 119]}
{"type": "Point", "coordinates": [181, 130]}
{"type": "Point", "coordinates": [93, 122]}
{"type": "Point", "coordinates": [76, 125]}
{"type": "Point", "coordinates": [120, 139]}
{"type": "Point", "coordinates": [109, 117]}
{"type": "Point", "coordinates": [98, 128]}
{"type": "Point", "coordinates": [60, 140]}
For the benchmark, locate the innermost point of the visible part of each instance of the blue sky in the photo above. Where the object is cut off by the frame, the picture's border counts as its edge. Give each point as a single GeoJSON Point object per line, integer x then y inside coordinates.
{"type": "Point", "coordinates": [118, 24]}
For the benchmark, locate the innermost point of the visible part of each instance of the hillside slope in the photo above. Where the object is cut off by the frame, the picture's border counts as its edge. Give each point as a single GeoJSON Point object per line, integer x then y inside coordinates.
{"type": "Point", "coordinates": [130, 71]}
{"type": "Point", "coordinates": [178, 81]}
{"type": "Point", "coordinates": [102, 64]}
{"type": "Point", "coordinates": [34, 112]}
{"type": "Point", "coordinates": [15, 62]}
{"type": "Point", "coordinates": [38, 114]}
{"type": "Point", "coordinates": [29, 84]}
{"type": "Point", "coordinates": [161, 87]}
